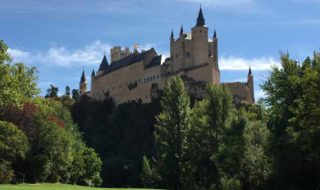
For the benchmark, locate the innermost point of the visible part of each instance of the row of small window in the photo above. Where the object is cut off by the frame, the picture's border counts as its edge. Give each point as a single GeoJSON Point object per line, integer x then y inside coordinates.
{"type": "Point", "coordinates": [146, 80]}
{"type": "Point", "coordinates": [149, 79]}
{"type": "Point", "coordinates": [188, 54]}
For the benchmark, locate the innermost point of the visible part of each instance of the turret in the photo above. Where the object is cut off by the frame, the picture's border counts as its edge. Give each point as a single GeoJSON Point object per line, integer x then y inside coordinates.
{"type": "Point", "coordinates": [181, 31]}
{"type": "Point", "coordinates": [215, 47]}
{"type": "Point", "coordinates": [251, 85]}
{"type": "Point", "coordinates": [200, 41]}
{"type": "Point", "coordinates": [83, 84]}
{"type": "Point", "coordinates": [93, 75]}
{"type": "Point", "coordinates": [171, 49]}
{"type": "Point", "coordinates": [103, 65]}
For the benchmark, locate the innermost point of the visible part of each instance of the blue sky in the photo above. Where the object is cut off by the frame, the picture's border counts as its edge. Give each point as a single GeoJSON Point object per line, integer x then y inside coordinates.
{"type": "Point", "coordinates": [62, 37]}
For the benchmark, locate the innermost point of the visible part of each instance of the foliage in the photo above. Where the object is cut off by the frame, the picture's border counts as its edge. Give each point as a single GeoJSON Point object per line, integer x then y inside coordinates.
{"type": "Point", "coordinates": [150, 175]}
{"type": "Point", "coordinates": [6, 172]}
{"type": "Point", "coordinates": [52, 92]}
{"type": "Point", "coordinates": [172, 128]}
{"type": "Point", "coordinates": [13, 146]}
{"type": "Point", "coordinates": [293, 98]}
{"type": "Point", "coordinates": [13, 142]}
{"type": "Point", "coordinates": [4, 54]}
{"type": "Point", "coordinates": [119, 136]}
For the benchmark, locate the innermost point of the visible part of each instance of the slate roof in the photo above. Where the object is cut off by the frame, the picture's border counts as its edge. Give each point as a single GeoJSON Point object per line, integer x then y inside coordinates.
{"type": "Point", "coordinates": [83, 77]}
{"type": "Point", "coordinates": [155, 61]}
{"type": "Point", "coordinates": [131, 59]}
{"type": "Point", "coordinates": [104, 64]}
{"type": "Point", "coordinates": [200, 19]}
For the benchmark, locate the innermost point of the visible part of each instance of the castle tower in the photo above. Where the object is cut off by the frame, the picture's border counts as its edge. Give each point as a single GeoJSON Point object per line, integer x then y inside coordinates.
{"type": "Point", "coordinates": [171, 49]}
{"type": "Point", "coordinates": [83, 84]}
{"type": "Point", "coordinates": [251, 85]}
{"type": "Point", "coordinates": [93, 75]}
{"type": "Point", "coordinates": [200, 47]}
{"type": "Point", "coordinates": [214, 54]}
{"type": "Point", "coordinates": [103, 65]}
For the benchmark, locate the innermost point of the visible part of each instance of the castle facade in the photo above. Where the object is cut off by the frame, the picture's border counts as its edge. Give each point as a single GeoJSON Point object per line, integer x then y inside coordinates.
{"type": "Point", "coordinates": [141, 75]}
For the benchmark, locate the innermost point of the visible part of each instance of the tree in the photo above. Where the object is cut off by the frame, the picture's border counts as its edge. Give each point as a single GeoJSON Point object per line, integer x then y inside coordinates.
{"type": "Point", "coordinates": [209, 120]}
{"type": "Point", "coordinates": [4, 54]}
{"type": "Point", "coordinates": [172, 127]}
{"type": "Point", "coordinates": [13, 142]}
{"type": "Point", "coordinates": [17, 82]}
{"type": "Point", "coordinates": [75, 94]}
{"type": "Point", "coordinates": [67, 91]}
{"type": "Point", "coordinates": [52, 92]}
{"type": "Point", "coordinates": [293, 98]}
{"type": "Point", "coordinates": [150, 175]}
{"type": "Point", "coordinates": [13, 146]}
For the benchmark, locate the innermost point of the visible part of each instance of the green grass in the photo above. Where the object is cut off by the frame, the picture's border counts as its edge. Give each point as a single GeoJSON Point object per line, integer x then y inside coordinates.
{"type": "Point", "coordinates": [56, 186]}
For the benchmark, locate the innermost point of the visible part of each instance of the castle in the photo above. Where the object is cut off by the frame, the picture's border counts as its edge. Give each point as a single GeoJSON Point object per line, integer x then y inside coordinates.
{"type": "Point", "coordinates": [141, 75]}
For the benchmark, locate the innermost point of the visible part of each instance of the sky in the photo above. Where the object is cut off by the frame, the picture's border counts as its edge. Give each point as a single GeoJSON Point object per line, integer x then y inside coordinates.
{"type": "Point", "coordinates": [63, 37]}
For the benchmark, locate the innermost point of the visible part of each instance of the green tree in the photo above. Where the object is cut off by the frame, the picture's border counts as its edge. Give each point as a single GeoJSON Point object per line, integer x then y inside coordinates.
{"type": "Point", "coordinates": [150, 175]}
{"type": "Point", "coordinates": [17, 82]}
{"type": "Point", "coordinates": [67, 91]}
{"type": "Point", "coordinates": [13, 146]}
{"type": "Point", "coordinates": [293, 98]}
{"type": "Point", "coordinates": [52, 92]}
{"type": "Point", "coordinates": [4, 54]}
{"type": "Point", "coordinates": [172, 127]}
{"type": "Point", "coordinates": [75, 94]}
{"type": "Point", "coordinates": [209, 120]}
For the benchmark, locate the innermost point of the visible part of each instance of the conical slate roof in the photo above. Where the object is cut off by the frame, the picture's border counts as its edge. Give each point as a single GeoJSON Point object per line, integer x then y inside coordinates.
{"type": "Point", "coordinates": [200, 19]}
{"type": "Point", "coordinates": [104, 64]}
{"type": "Point", "coordinates": [83, 77]}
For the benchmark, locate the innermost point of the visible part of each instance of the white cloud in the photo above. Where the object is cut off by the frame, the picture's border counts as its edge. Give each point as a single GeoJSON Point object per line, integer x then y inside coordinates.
{"type": "Point", "coordinates": [61, 56]}
{"type": "Point", "coordinates": [239, 63]}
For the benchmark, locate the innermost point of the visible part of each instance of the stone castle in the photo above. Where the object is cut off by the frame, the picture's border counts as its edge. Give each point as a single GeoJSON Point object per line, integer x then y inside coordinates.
{"type": "Point", "coordinates": [142, 75]}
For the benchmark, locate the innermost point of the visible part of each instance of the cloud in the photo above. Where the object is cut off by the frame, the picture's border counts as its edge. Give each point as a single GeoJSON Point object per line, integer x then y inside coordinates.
{"type": "Point", "coordinates": [61, 56]}
{"type": "Point", "coordinates": [239, 63]}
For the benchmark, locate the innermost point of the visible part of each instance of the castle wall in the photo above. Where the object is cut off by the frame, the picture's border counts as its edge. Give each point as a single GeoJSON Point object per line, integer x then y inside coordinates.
{"type": "Point", "coordinates": [240, 91]}
{"type": "Point", "coordinates": [129, 83]}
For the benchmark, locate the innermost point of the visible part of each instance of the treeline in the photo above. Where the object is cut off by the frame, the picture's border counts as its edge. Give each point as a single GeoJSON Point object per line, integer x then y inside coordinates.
{"type": "Point", "coordinates": [121, 135]}
{"type": "Point", "coordinates": [38, 140]}
{"type": "Point", "coordinates": [212, 143]}
{"type": "Point", "coordinates": [173, 142]}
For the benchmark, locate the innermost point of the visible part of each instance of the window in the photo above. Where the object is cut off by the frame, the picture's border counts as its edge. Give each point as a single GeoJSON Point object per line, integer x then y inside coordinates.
{"type": "Point", "coordinates": [154, 78]}
{"type": "Point", "coordinates": [176, 55]}
{"type": "Point", "coordinates": [157, 76]}
{"type": "Point", "coordinates": [119, 85]}
{"type": "Point", "coordinates": [188, 54]}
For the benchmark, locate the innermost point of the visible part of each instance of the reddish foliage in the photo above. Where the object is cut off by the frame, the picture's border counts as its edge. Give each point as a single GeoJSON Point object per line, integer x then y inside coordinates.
{"type": "Point", "coordinates": [56, 120]}
{"type": "Point", "coordinates": [25, 119]}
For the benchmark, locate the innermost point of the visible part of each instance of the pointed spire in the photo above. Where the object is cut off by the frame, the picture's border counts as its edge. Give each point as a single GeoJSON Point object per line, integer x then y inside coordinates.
{"type": "Point", "coordinates": [172, 36]}
{"type": "Point", "coordinates": [93, 74]}
{"type": "Point", "coordinates": [200, 19]}
{"type": "Point", "coordinates": [83, 77]}
{"type": "Point", "coordinates": [181, 29]}
{"type": "Point", "coordinates": [250, 72]}
{"type": "Point", "coordinates": [214, 34]}
{"type": "Point", "coordinates": [104, 63]}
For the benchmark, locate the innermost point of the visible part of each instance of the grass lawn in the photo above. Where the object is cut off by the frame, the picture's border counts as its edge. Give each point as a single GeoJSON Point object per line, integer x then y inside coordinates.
{"type": "Point", "coordinates": [56, 186]}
